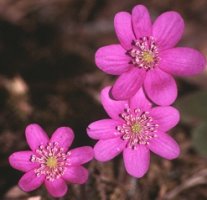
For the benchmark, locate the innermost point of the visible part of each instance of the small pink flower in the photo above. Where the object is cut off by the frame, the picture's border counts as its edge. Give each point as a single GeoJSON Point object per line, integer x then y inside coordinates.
{"type": "Point", "coordinates": [146, 57]}
{"type": "Point", "coordinates": [136, 129]}
{"type": "Point", "coordinates": [50, 162]}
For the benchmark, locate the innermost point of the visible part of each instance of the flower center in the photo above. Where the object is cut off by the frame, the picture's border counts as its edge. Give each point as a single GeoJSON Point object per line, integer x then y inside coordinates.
{"type": "Point", "coordinates": [138, 127]}
{"type": "Point", "coordinates": [148, 57]}
{"type": "Point", "coordinates": [144, 53]}
{"type": "Point", "coordinates": [52, 161]}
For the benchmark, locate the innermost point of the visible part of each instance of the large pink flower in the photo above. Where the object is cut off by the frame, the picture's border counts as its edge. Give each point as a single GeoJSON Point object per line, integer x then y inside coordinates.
{"type": "Point", "coordinates": [146, 57]}
{"type": "Point", "coordinates": [50, 162]}
{"type": "Point", "coordinates": [134, 128]}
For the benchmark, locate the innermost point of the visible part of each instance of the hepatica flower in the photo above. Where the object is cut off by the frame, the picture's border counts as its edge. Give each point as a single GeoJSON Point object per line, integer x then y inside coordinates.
{"type": "Point", "coordinates": [146, 55]}
{"type": "Point", "coordinates": [49, 162]}
{"type": "Point", "coordinates": [134, 128]}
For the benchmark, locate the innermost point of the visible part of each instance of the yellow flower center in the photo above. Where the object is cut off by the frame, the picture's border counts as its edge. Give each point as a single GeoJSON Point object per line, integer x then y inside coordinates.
{"type": "Point", "coordinates": [148, 57]}
{"type": "Point", "coordinates": [136, 128]}
{"type": "Point", "coordinates": [51, 162]}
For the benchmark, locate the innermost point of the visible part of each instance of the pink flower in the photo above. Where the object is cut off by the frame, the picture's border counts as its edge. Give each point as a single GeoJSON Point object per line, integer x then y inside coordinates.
{"type": "Point", "coordinates": [134, 128]}
{"type": "Point", "coordinates": [50, 162]}
{"type": "Point", "coordinates": [146, 57]}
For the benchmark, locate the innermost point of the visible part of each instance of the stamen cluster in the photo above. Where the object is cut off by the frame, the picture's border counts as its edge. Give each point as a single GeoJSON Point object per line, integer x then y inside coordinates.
{"type": "Point", "coordinates": [138, 127]}
{"type": "Point", "coordinates": [52, 160]}
{"type": "Point", "coordinates": [144, 53]}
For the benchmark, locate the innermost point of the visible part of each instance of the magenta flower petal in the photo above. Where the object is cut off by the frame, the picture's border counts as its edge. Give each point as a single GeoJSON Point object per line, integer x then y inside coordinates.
{"type": "Point", "coordinates": [123, 29]}
{"type": "Point", "coordinates": [168, 29]}
{"type": "Point", "coordinates": [21, 161]}
{"type": "Point", "coordinates": [128, 84]}
{"type": "Point", "coordinates": [182, 61]}
{"type": "Point", "coordinates": [56, 188]}
{"type": "Point", "coordinates": [80, 155]}
{"type": "Point", "coordinates": [30, 181]}
{"type": "Point", "coordinates": [103, 129]}
{"type": "Point", "coordinates": [141, 21]}
{"type": "Point", "coordinates": [112, 107]}
{"type": "Point", "coordinates": [164, 146]}
{"type": "Point", "coordinates": [76, 175]}
{"type": "Point", "coordinates": [105, 150]}
{"type": "Point", "coordinates": [36, 136]}
{"type": "Point", "coordinates": [160, 87]}
{"type": "Point", "coordinates": [166, 117]}
{"type": "Point", "coordinates": [137, 160]}
{"type": "Point", "coordinates": [63, 136]}
{"type": "Point", "coordinates": [140, 101]}
{"type": "Point", "coordinates": [112, 59]}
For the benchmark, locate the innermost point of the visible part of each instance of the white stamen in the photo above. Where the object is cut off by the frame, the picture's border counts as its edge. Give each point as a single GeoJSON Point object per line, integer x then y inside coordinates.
{"type": "Point", "coordinates": [52, 160]}
{"type": "Point", "coordinates": [138, 127]}
{"type": "Point", "coordinates": [144, 53]}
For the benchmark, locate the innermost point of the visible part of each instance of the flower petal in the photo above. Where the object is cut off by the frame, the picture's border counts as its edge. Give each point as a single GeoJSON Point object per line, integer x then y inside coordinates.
{"type": "Point", "coordinates": [128, 84]}
{"type": "Point", "coordinates": [141, 21]}
{"type": "Point", "coordinates": [137, 160]}
{"type": "Point", "coordinates": [123, 29]}
{"type": "Point", "coordinates": [168, 29]}
{"type": "Point", "coordinates": [166, 117]}
{"type": "Point", "coordinates": [56, 188]}
{"type": "Point", "coordinates": [105, 150]}
{"type": "Point", "coordinates": [36, 136]}
{"type": "Point", "coordinates": [21, 161]}
{"type": "Point", "coordinates": [182, 61]}
{"type": "Point", "coordinates": [80, 155]}
{"type": "Point", "coordinates": [160, 87]}
{"type": "Point", "coordinates": [112, 107]}
{"type": "Point", "coordinates": [164, 146]}
{"type": "Point", "coordinates": [30, 181]}
{"type": "Point", "coordinates": [103, 129]}
{"type": "Point", "coordinates": [76, 175]}
{"type": "Point", "coordinates": [63, 136]}
{"type": "Point", "coordinates": [140, 101]}
{"type": "Point", "coordinates": [112, 59]}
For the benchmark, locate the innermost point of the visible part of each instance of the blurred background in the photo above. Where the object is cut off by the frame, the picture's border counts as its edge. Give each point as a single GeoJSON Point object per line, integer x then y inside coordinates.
{"type": "Point", "coordinates": [48, 76]}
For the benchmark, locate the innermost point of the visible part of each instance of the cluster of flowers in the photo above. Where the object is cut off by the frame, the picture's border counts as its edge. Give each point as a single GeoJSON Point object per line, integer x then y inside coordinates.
{"type": "Point", "coordinates": [144, 61]}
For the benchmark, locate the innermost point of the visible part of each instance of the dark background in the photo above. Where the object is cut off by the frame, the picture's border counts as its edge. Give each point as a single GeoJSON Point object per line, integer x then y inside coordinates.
{"type": "Point", "coordinates": [48, 76]}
